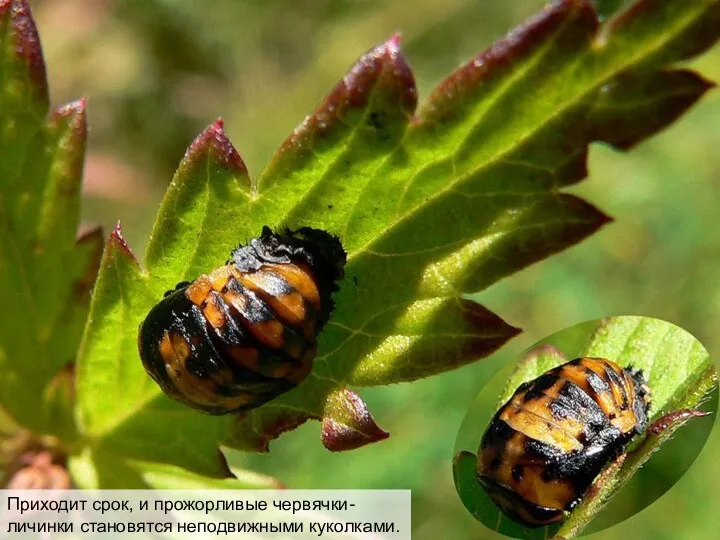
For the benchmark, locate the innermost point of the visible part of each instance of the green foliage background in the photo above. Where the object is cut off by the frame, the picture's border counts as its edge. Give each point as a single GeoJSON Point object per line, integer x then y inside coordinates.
{"type": "Point", "coordinates": [157, 72]}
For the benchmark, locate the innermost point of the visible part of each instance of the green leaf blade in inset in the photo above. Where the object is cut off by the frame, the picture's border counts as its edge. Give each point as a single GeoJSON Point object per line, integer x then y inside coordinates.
{"type": "Point", "coordinates": [668, 356]}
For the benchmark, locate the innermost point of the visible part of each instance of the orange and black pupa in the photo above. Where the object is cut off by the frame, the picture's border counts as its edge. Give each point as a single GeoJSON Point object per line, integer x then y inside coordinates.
{"type": "Point", "coordinates": [246, 332]}
{"type": "Point", "coordinates": [545, 446]}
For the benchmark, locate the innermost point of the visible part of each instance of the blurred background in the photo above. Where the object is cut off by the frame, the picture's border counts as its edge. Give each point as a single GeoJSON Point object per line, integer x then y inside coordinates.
{"type": "Point", "coordinates": [157, 72]}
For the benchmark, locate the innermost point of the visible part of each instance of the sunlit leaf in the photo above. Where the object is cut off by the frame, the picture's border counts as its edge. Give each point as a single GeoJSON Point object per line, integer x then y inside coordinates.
{"type": "Point", "coordinates": [430, 205]}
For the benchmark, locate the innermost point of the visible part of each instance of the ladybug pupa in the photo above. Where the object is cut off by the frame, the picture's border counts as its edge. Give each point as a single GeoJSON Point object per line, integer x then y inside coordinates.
{"type": "Point", "coordinates": [548, 442]}
{"type": "Point", "coordinates": [243, 334]}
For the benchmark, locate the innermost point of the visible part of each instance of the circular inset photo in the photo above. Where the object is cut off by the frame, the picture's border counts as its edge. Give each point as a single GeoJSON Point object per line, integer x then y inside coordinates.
{"type": "Point", "coordinates": [586, 429]}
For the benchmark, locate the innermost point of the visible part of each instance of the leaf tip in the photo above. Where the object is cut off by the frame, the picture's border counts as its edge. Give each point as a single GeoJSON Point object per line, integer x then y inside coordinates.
{"type": "Point", "coordinates": [393, 43]}
{"type": "Point", "coordinates": [27, 43]}
{"type": "Point", "coordinates": [402, 74]}
{"type": "Point", "coordinates": [75, 114]}
{"type": "Point", "coordinates": [674, 419]}
{"type": "Point", "coordinates": [348, 424]}
{"type": "Point", "coordinates": [117, 243]}
{"type": "Point", "coordinates": [338, 437]}
{"type": "Point", "coordinates": [383, 69]}
{"type": "Point", "coordinates": [481, 318]}
{"type": "Point", "coordinates": [593, 219]}
{"type": "Point", "coordinates": [116, 235]}
{"type": "Point", "coordinates": [603, 219]}
{"type": "Point", "coordinates": [213, 143]}
{"type": "Point", "coordinates": [74, 108]}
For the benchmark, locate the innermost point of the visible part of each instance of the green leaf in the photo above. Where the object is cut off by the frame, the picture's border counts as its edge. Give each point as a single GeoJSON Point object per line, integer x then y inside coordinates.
{"type": "Point", "coordinates": [670, 358]}
{"type": "Point", "coordinates": [99, 467]}
{"type": "Point", "coordinates": [136, 422]}
{"type": "Point", "coordinates": [471, 493]}
{"type": "Point", "coordinates": [347, 423]}
{"type": "Point", "coordinates": [46, 271]}
{"type": "Point", "coordinates": [429, 206]}
{"type": "Point", "coordinates": [165, 477]}
{"type": "Point", "coordinates": [680, 376]}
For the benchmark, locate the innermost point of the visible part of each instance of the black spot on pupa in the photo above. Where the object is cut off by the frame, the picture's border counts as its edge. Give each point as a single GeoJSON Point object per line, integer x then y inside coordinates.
{"type": "Point", "coordinates": [536, 389]}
